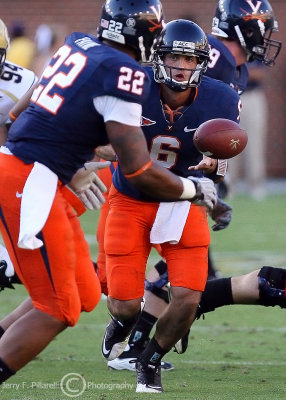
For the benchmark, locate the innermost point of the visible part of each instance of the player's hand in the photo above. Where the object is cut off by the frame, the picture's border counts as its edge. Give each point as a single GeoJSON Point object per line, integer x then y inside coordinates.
{"type": "Point", "coordinates": [221, 214]}
{"type": "Point", "coordinates": [106, 152]}
{"type": "Point", "coordinates": [207, 165]}
{"type": "Point", "coordinates": [206, 194]}
{"type": "Point", "coordinates": [88, 186]}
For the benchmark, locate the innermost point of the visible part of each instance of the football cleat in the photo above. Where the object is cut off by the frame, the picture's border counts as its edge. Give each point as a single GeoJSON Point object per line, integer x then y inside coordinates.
{"type": "Point", "coordinates": [5, 281]}
{"type": "Point", "coordinates": [182, 344]}
{"type": "Point", "coordinates": [126, 361]}
{"type": "Point", "coordinates": [271, 284]}
{"type": "Point", "coordinates": [115, 339]}
{"type": "Point", "coordinates": [148, 378]}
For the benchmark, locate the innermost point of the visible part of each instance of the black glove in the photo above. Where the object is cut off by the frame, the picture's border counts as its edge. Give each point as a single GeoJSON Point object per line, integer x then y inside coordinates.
{"type": "Point", "coordinates": [221, 214]}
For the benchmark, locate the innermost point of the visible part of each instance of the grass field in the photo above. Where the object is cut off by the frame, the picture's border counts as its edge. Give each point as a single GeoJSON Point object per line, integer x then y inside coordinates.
{"type": "Point", "coordinates": [236, 353]}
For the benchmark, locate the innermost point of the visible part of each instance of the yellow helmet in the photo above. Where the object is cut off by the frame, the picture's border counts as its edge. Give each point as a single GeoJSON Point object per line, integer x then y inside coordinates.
{"type": "Point", "coordinates": [4, 44]}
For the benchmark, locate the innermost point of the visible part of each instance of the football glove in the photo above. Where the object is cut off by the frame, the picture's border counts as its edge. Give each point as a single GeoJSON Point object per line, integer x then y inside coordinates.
{"type": "Point", "coordinates": [206, 194]}
{"type": "Point", "coordinates": [88, 187]}
{"type": "Point", "coordinates": [221, 214]}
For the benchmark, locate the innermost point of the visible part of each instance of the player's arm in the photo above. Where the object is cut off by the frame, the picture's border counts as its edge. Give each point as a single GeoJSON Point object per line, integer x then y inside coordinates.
{"type": "Point", "coordinates": [3, 134]}
{"type": "Point", "coordinates": [122, 121]}
{"type": "Point", "coordinates": [21, 105]}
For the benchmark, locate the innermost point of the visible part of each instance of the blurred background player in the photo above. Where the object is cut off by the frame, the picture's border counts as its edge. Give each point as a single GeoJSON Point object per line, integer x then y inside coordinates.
{"type": "Point", "coordinates": [235, 40]}
{"type": "Point", "coordinates": [22, 49]}
{"type": "Point", "coordinates": [250, 166]}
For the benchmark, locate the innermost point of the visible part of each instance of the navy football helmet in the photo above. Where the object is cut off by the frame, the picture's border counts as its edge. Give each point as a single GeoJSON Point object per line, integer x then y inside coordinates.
{"type": "Point", "coordinates": [251, 23]}
{"type": "Point", "coordinates": [135, 24]}
{"type": "Point", "coordinates": [4, 44]}
{"type": "Point", "coordinates": [181, 37]}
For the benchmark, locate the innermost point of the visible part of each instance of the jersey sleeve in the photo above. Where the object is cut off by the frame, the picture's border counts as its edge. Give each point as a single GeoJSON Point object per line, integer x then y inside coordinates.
{"type": "Point", "coordinates": [114, 109]}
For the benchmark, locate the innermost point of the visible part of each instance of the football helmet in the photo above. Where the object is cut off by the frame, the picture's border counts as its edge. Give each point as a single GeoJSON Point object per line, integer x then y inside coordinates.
{"type": "Point", "coordinates": [251, 23]}
{"type": "Point", "coordinates": [181, 37]}
{"type": "Point", "coordinates": [4, 44]}
{"type": "Point", "coordinates": [135, 24]}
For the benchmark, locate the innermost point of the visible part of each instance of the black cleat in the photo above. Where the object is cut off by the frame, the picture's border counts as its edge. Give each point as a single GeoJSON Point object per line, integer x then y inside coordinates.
{"type": "Point", "coordinates": [5, 281]}
{"type": "Point", "coordinates": [148, 379]}
{"type": "Point", "coordinates": [115, 339]}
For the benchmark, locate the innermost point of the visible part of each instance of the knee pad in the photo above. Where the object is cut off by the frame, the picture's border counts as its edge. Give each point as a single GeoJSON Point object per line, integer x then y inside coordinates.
{"type": "Point", "coordinates": [271, 283]}
{"type": "Point", "coordinates": [157, 287]}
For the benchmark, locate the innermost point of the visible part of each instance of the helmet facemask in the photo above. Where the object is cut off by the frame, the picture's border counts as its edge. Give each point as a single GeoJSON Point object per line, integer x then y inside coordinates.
{"type": "Point", "coordinates": [183, 38]}
{"type": "Point", "coordinates": [165, 73]}
{"type": "Point", "coordinates": [268, 51]}
{"type": "Point", "coordinates": [263, 48]}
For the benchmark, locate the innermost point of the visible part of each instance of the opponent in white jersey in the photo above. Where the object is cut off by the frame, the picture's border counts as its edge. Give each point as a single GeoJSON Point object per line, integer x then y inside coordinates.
{"type": "Point", "coordinates": [15, 81]}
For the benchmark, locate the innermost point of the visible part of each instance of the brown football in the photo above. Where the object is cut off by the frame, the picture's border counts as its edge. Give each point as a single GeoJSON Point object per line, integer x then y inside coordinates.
{"type": "Point", "coordinates": [220, 138]}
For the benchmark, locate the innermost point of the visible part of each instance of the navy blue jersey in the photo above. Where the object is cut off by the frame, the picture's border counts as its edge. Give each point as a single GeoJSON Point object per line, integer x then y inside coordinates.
{"type": "Point", "coordinates": [170, 135]}
{"type": "Point", "coordinates": [61, 127]}
{"type": "Point", "coordinates": [222, 66]}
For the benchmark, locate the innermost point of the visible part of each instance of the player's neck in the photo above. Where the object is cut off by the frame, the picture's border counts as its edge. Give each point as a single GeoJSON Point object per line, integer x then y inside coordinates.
{"type": "Point", "coordinates": [175, 99]}
{"type": "Point", "coordinates": [236, 50]}
{"type": "Point", "coordinates": [121, 47]}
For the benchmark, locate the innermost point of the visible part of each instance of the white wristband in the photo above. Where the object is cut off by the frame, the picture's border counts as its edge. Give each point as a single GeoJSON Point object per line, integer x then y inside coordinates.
{"type": "Point", "coordinates": [189, 189]}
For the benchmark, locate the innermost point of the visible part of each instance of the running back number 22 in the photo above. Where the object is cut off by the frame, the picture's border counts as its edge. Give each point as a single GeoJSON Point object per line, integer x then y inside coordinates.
{"type": "Point", "coordinates": [128, 80]}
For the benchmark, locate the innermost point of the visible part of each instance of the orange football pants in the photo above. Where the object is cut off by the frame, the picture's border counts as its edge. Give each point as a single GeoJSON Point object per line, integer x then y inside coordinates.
{"type": "Point", "coordinates": [127, 247]}
{"type": "Point", "coordinates": [106, 176]}
{"type": "Point", "coordinates": [59, 276]}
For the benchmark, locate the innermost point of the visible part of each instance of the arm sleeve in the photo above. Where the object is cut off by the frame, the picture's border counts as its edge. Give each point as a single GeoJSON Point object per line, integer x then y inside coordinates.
{"type": "Point", "coordinates": [115, 109]}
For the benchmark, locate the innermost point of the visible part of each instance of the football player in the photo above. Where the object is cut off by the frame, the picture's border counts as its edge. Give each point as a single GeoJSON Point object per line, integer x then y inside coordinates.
{"type": "Point", "coordinates": [15, 82]}
{"type": "Point", "coordinates": [238, 35]}
{"type": "Point", "coordinates": [91, 93]}
{"type": "Point", "coordinates": [181, 99]}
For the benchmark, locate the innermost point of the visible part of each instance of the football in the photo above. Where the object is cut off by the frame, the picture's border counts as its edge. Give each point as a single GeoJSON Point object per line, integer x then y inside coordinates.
{"type": "Point", "coordinates": [220, 138]}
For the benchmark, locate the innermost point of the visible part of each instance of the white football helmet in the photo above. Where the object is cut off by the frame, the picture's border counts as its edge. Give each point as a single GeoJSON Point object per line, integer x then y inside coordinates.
{"type": "Point", "coordinates": [4, 44]}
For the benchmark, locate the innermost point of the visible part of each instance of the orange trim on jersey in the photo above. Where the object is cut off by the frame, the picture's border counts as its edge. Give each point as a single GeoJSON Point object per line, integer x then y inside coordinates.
{"type": "Point", "coordinates": [12, 116]}
{"type": "Point", "coordinates": [140, 170]}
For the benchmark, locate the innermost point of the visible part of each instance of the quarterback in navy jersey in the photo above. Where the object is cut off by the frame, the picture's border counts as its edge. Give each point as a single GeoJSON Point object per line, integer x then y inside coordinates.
{"type": "Point", "coordinates": [180, 100]}
{"type": "Point", "coordinates": [169, 134]}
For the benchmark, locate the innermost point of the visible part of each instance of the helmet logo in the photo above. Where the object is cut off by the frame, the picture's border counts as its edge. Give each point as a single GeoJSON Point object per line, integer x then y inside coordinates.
{"type": "Point", "coordinates": [179, 45]}
{"type": "Point", "coordinates": [159, 16]}
{"type": "Point", "coordinates": [253, 7]}
{"type": "Point", "coordinates": [157, 12]}
{"type": "Point", "coordinates": [130, 22]}
{"type": "Point", "coordinates": [223, 16]}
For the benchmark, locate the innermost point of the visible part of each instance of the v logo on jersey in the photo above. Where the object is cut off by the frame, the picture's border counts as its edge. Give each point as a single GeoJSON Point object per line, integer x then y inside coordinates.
{"type": "Point", "coordinates": [146, 121]}
{"type": "Point", "coordinates": [18, 195]}
{"type": "Point", "coordinates": [186, 129]}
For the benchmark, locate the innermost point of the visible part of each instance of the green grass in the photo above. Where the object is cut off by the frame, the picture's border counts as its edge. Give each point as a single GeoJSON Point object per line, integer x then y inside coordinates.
{"type": "Point", "coordinates": [236, 353]}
